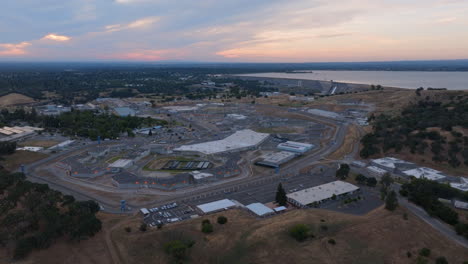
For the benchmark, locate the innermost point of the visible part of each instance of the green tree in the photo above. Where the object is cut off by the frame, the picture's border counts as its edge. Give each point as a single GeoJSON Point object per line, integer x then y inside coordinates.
{"type": "Point", "coordinates": [176, 249]}
{"type": "Point", "coordinates": [222, 220]}
{"type": "Point", "coordinates": [281, 197]}
{"type": "Point", "coordinates": [391, 202]}
{"type": "Point", "coordinates": [441, 260]}
{"type": "Point", "coordinates": [425, 252]}
{"type": "Point", "coordinates": [300, 232]}
{"type": "Point", "coordinates": [207, 227]}
{"type": "Point", "coordinates": [343, 171]}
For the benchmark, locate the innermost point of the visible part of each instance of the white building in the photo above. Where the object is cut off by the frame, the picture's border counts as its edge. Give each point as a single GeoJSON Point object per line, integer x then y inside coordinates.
{"type": "Point", "coordinates": [376, 171]}
{"type": "Point", "coordinates": [296, 147]}
{"type": "Point", "coordinates": [321, 193]}
{"type": "Point", "coordinates": [260, 209]}
{"type": "Point", "coordinates": [216, 206]}
{"type": "Point", "coordinates": [197, 175]}
{"type": "Point", "coordinates": [32, 149]}
{"type": "Point", "coordinates": [325, 113]}
{"type": "Point", "coordinates": [425, 173]}
{"type": "Point", "coordinates": [391, 164]}
{"type": "Point", "coordinates": [275, 159]}
{"type": "Point", "coordinates": [239, 141]}
{"type": "Point", "coordinates": [121, 164]}
{"type": "Point", "coordinates": [462, 185]}
{"type": "Point", "coordinates": [236, 116]}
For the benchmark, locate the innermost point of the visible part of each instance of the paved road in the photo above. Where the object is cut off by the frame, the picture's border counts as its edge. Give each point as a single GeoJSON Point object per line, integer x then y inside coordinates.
{"type": "Point", "coordinates": [443, 228]}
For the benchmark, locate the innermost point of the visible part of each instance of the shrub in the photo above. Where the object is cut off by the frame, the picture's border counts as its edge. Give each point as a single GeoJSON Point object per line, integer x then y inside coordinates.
{"type": "Point", "coordinates": [143, 227]}
{"type": "Point", "coordinates": [408, 254]}
{"type": "Point", "coordinates": [300, 232]}
{"type": "Point", "coordinates": [207, 228]}
{"type": "Point", "coordinates": [177, 249]}
{"type": "Point", "coordinates": [332, 241]}
{"type": "Point", "coordinates": [222, 220]}
{"type": "Point", "coordinates": [128, 229]}
{"type": "Point", "coordinates": [425, 252]}
{"type": "Point", "coordinates": [441, 260]}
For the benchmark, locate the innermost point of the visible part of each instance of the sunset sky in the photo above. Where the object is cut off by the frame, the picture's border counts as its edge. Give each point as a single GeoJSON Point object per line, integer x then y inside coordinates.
{"type": "Point", "coordinates": [233, 31]}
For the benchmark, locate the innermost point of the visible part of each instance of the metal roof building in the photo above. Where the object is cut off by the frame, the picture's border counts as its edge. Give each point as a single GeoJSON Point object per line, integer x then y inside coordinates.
{"type": "Point", "coordinates": [321, 193]}
{"type": "Point", "coordinates": [124, 111]}
{"type": "Point", "coordinates": [121, 163]}
{"type": "Point", "coordinates": [275, 159]}
{"type": "Point", "coordinates": [239, 141]}
{"type": "Point", "coordinates": [426, 173]}
{"type": "Point", "coordinates": [260, 209]}
{"type": "Point", "coordinates": [296, 147]}
{"type": "Point", "coordinates": [216, 206]}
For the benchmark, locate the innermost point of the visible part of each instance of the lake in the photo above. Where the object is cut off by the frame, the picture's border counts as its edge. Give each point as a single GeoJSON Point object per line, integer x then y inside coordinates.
{"type": "Point", "coordinates": [402, 79]}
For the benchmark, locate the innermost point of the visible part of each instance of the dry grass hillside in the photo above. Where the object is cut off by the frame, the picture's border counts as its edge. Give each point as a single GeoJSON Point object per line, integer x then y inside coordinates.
{"type": "Point", "coordinates": [380, 237]}
{"type": "Point", "coordinates": [14, 99]}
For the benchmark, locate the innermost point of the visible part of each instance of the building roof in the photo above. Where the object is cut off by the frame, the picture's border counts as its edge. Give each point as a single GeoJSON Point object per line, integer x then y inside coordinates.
{"type": "Point", "coordinates": [259, 209]}
{"type": "Point", "coordinates": [279, 208]}
{"type": "Point", "coordinates": [124, 111]}
{"type": "Point", "coordinates": [389, 162]}
{"type": "Point", "coordinates": [462, 185]}
{"type": "Point", "coordinates": [460, 204]}
{"type": "Point", "coordinates": [121, 163]}
{"type": "Point", "coordinates": [376, 170]}
{"type": "Point", "coordinates": [295, 145]}
{"type": "Point", "coordinates": [426, 173]}
{"type": "Point", "coordinates": [322, 192]}
{"type": "Point", "coordinates": [278, 157]}
{"type": "Point", "coordinates": [239, 140]}
{"type": "Point", "coordinates": [200, 175]}
{"type": "Point", "coordinates": [216, 206]}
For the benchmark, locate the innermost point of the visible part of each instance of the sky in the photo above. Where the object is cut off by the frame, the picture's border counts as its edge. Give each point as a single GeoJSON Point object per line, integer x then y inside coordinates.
{"type": "Point", "coordinates": [233, 31]}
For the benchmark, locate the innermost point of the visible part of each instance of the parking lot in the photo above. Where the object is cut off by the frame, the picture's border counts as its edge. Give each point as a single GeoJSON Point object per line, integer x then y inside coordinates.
{"type": "Point", "coordinates": [165, 215]}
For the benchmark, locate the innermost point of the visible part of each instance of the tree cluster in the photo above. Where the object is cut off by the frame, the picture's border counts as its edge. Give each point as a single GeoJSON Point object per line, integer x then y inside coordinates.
{"type": "Point", "coordinates": [425, 193]}
{"type": "Point", "coordinates": [32, 216]}
{"type": "Point", "coordinates": [414, 130]}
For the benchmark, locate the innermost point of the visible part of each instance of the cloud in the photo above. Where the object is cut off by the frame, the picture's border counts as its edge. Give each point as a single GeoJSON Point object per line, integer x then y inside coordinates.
{"type": "Point", "coordinates": [148, 55]}
{"type": "Point", "coordinates": [56, 37]}
{"type": "Point", "coordinates": [137, 24]}
{"type": "Point", "coordinates": [446, 20]}
{"type": "Point", "coordinates": [10, 49]}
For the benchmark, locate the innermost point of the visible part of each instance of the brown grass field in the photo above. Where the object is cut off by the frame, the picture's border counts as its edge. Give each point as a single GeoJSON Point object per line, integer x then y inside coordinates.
{"type": "Point", "coordinates": [379, 237]}
{"type": "Point", "coordinates": [14, 99]}
{"type": "Point", "coordinates": [39, 143]}
{"type": "Point", "coordinates": [14, 161]}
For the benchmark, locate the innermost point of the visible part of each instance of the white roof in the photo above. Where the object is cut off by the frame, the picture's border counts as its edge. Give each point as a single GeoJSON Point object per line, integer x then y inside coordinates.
{"type": "Point", "coordinates": [295, 145]}
{"type": "Point", "coordinates": [216, 206]}
{"type": "Point", "coordinates": [460, 204]}
{"type": "Point", "coordinates": [239, 140]}
{"type": "Point", "coordinates": [324, 113]}
{"type": "Point", "coordinates": [144, 211]}
{"type": "Point", "coordinates": [322, 192]}
{"type": "Point", "coordinates": [279, 208]}
{"type": "Point", "coordinates": [389, 162]}
{"type": "Point", "coordinates": [121, 163]}
{"type": "Point", "coordinates": [426, 173]}
{"type": "Point", "coordinates": [236, 116]}
{"type": "Point", "coordinates": [462, 186]}
{"type": "Point", "coordinates": [33, 149]}
{"type": "Point", "coordinates": [200, 175]}
{"type": "Point", "coordinates": [259, 209]}
{"type": "Point", "coordinates": [377, 170]}
{"type": "Point", "coordinates": [277, 157]}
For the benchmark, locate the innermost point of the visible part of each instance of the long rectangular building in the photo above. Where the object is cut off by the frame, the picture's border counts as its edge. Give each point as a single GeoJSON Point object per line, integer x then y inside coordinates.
{"type": "Point", "coordinates": [321, 193]}
{"type": "Point", "coordinates": [296, 147]}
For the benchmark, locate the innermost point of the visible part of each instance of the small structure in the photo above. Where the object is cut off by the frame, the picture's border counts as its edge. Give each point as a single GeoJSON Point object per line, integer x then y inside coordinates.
{"type": "Point", "coordinates": [216, 206]}
{"type": "Point", "coordinates": [325, 113]}
{"type": "Point", "coordinates": [321, 193]}
{"type": "Point", "coordinates": [376, 171]}
{"type": "Point", "coordinates": [121, 164]}
{"type": "Point", "coordinates": [201, 176]}
{"type": "Point", "coordinates": [358, 164]}
{"type": "Point", "coordinates": [236, 116]}
{"type": "Point", "coordinates": [124, 111]}
{"type": "Point", "coordinates": [260, 209]}
{"type": "Point", "coordinates": [393, 165]}
{"type": "Point", "coordinates": [275, 159]}
{"type": "Point", "coordinates": [144, 211]}
{"type": "Point", "coordinates": [280, 209]}
{"type": "Point", "coordinates": [460, 204]}
{"type": "Point", "coordinates": [32, 149]}
{"type": "Point", "coordinates": [62, 145]}
{"type": "Point", "coordinates": [296, 147]}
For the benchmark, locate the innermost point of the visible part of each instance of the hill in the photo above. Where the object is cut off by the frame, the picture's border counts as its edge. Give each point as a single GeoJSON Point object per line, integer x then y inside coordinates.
{"type": "Point", "coordinates": [15, 99]}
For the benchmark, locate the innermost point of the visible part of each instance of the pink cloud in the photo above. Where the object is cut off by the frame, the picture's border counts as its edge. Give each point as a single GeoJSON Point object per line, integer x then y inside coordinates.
{"type": "Point", "coordinates": [56, 37]}
{"type": "Point", "coordinates": [148, 55]}
{"type": "Point", "coordinates": [11, 49]}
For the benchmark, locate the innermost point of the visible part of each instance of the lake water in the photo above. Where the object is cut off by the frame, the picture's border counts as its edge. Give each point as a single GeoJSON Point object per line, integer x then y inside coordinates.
{"type": "Point", "coordinates": [403, 79]}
